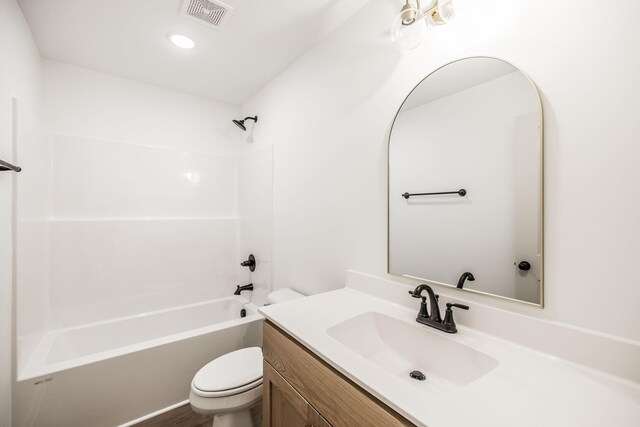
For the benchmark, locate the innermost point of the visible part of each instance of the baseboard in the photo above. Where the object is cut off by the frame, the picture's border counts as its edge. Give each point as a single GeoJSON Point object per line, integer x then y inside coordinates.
{"type": "Point", "coordinates": [154, 414]}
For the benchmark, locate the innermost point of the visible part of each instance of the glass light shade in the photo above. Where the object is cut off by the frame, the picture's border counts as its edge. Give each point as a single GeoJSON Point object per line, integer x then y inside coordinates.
{"type": "Point", "coordinates": [410, 36]}
{"type": "Point", "coordinates": [446, 11]}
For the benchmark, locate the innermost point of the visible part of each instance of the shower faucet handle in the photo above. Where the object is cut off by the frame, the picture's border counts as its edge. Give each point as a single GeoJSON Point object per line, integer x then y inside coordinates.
{"type": "Point", "coordinates": [251, 263]}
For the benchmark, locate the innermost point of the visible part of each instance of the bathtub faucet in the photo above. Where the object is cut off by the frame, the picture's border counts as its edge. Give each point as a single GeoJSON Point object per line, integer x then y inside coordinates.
{"type": "Point", "coordinates": [239, 288]}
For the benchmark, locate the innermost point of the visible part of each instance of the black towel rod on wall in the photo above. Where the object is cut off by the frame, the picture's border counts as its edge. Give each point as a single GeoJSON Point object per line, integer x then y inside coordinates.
{"type": "Point", "coordinates": [4, 166]}
{"type": "Point", "coordinates": [461, 192]}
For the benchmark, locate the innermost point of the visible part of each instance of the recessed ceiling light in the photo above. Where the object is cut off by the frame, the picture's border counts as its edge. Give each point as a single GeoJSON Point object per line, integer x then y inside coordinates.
{"type": "Point", "coordinates": [182, 41]}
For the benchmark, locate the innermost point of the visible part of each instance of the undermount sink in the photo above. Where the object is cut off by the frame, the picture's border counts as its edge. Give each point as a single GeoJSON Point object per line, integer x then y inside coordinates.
{"type": "Point", "coordinates": [401, 348]}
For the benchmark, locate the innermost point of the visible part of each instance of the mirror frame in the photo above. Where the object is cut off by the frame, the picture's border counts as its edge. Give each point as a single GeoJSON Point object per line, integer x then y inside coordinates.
{"type": "Point", "coordinates": [540, 196]}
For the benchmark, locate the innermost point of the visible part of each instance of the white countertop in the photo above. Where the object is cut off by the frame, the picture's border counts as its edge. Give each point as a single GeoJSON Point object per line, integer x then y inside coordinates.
{"type": "Point", "coordinates": [527, 388]}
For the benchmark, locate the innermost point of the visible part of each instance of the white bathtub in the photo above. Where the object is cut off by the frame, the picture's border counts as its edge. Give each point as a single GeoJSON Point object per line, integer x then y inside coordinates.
{"type": "Point", "coordinates": [113, 372]}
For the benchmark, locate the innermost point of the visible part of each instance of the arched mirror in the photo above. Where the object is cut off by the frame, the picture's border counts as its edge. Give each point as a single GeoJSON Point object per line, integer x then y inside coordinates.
{"type": "Point", "coordinates": [465, 181]}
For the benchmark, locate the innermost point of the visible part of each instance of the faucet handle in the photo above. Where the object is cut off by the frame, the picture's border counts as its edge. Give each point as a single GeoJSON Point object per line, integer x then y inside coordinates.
{"type": "Point", "coordinates": [424, 313]}
{"type": "Point", "coordinates": [448, 321]}
{"type": "Point", "coordinates": [250, 262]}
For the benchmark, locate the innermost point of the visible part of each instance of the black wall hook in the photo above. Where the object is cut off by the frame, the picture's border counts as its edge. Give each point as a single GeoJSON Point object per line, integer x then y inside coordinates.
{"type": "Point", "coordinates": [524, 265]}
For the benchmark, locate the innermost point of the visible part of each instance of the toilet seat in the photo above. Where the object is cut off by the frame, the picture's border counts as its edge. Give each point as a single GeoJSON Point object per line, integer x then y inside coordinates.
{"type": "Point", "coordinates": [230, 374]}
{"type": "Point", "coordinates": [225, 405]}
{"type": "Point", "coordinates": [225, 393]}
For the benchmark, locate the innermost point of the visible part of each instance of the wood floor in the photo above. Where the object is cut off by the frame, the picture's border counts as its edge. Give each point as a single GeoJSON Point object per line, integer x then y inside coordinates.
{"type": "Point", "coordinates": [182, 416]}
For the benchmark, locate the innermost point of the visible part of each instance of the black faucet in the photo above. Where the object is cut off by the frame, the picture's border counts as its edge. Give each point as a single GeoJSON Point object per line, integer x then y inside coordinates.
{"type": "Point", "coordinates": [433, 302]}
{"type": "Point", "coordinates": [239, 288]}
{"type": "Point", "coordinates": [435, 320]}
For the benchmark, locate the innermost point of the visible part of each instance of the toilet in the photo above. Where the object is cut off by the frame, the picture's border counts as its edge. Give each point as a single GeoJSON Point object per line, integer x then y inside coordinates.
{"type": "Point", "coordinates": [230, 387]}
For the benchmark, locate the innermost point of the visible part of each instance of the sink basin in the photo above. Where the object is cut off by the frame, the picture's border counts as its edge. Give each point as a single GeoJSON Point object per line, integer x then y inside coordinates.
{"type": "Point", "coordinates": [400, 348]}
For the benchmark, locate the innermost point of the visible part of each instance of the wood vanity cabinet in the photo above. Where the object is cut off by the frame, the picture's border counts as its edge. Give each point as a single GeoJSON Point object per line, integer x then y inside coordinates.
{"type": "Point", "coordinates": [283, 406]}
{"type": "Point", "coordinates": [301, 390]}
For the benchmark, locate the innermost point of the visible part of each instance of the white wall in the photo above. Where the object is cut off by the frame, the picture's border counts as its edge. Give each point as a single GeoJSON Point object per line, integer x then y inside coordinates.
{"type": "Point", "coordinates": [329, 114]}
{"type": "Point", "coordinates": [465, 140]}
{"type": "Point", "coordinates": [20, 79]}
{"type": "Point", "coordinates": [86, 103]}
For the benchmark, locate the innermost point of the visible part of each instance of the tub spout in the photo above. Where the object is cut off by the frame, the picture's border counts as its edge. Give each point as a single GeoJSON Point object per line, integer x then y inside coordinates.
{"type": "Point", "coordinates": [239, 288]}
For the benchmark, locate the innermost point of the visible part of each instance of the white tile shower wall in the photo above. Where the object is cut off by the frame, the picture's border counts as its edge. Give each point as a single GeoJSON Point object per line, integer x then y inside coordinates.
{"type": "Point", "coordinates": [255, 211]}
{"type": "Point", "coordinates": [31, 232]}
{"type": "Point", "coordinates": [143, 197]}
{"type": "Point", "coordinates": [106, 180]}
{"type": "Point", "coordinates": [138, 228]}
{"type": "Point", "coordinates": [110, 268]}
{"type": "Point", "coordinates": [328, 117]}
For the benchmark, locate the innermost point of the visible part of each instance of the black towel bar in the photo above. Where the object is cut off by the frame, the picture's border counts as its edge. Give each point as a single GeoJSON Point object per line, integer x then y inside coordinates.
{"type": "Point", "coordinates": [4, 166]}
{"type": "Point", "coordinates": [462, 192]}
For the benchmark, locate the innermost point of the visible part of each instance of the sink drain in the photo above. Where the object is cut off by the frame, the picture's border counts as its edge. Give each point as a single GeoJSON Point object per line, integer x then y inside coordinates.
{"type": "Point", "coordinates": [417, 375]}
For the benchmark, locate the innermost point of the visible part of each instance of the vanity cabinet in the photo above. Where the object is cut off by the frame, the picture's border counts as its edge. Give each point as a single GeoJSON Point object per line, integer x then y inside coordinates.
{"type": "Point", "coordinates": [283, 406]}
{"type": "Point", "coordinates": [302, 390]}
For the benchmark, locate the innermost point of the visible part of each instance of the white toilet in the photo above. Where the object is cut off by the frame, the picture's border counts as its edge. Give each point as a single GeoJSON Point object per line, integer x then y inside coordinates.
{"type": "Point", "coordinates": [230, 387]}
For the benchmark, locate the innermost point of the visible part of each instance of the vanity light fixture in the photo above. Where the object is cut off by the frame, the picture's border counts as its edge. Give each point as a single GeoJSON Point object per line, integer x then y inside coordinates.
{"type": "Point", "coordinates": [409, 28]}
{"type": "Point", "coordinates": [182, 41]}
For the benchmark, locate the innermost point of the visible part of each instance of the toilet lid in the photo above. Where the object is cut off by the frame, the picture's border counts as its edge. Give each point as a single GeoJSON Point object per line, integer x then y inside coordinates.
{"type": "Point", "coordinates": [230, 371]}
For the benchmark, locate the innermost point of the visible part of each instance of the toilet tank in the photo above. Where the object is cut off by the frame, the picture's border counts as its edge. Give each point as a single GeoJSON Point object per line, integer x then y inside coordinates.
{"type": "Point", "coordinates": [282, 295]}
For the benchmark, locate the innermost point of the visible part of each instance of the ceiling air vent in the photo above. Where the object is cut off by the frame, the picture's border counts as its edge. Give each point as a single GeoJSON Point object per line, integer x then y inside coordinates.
{"type": "Point", "coordinates": [212, 13]}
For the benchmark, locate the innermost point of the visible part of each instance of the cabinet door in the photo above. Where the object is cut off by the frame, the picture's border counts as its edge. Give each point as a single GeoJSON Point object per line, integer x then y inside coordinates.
{"type": "Point", "coordinates": [283, 406]}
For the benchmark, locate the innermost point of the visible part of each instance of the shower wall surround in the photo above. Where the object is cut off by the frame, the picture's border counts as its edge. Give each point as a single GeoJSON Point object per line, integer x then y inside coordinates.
{"type": "Point", "coordinates": [137, 228]}
{"type": "Point", "coordinates": [147, 189]}
{"type": "Point", "coordinates": [329, 115]}
{"type": "Point", "coordinates": [255, 214]}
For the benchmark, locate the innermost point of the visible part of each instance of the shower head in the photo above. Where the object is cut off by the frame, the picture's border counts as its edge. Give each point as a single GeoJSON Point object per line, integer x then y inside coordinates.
{"type": "Point", "coordinates": [240, 123]}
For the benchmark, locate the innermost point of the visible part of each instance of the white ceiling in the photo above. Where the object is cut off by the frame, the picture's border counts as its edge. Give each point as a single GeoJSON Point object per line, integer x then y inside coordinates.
{"type": "Point", "coordinates": [457, 77]}
{"type": "Point", "coordinates": [128, 38]}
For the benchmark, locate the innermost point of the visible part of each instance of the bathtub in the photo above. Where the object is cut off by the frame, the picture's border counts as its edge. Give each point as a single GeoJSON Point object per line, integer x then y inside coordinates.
{"type": "Point", "coordinates": [124, 370]}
